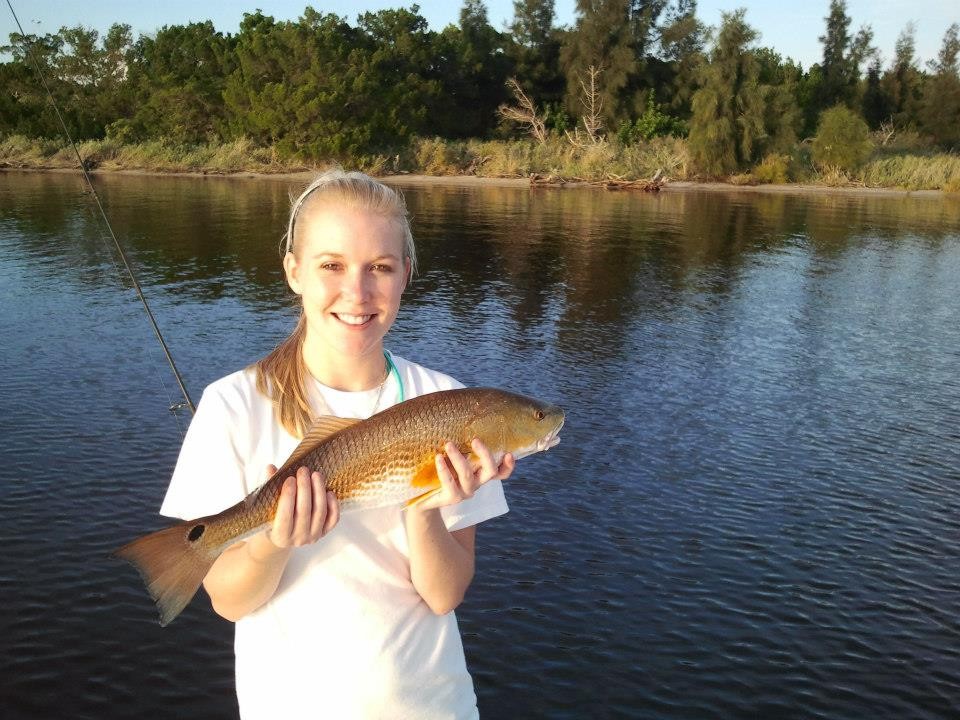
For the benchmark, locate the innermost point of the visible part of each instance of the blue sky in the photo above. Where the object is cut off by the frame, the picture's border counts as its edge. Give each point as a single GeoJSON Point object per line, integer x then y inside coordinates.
{"type": "Point", "coordinates": [790, 28]}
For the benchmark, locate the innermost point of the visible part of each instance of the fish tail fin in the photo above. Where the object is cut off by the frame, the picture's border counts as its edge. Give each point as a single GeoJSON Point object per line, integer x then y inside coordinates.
{"type": "Point", "coordinates": [171, 565]}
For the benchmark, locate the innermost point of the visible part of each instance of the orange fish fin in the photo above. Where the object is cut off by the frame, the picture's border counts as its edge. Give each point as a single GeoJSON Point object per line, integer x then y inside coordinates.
{"type": "Point", "coordinates": [172, 565]}
{"type": "Point", "coordinates": [322, 428]}
{"type": "Point", "coordinates": [426, 476]}
{"type": "Point", "coordinates": [420, 498]}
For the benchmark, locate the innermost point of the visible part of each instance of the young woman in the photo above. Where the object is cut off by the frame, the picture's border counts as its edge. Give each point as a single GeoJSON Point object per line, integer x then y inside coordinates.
{"type": "Point", "coordinates": [338, 616]}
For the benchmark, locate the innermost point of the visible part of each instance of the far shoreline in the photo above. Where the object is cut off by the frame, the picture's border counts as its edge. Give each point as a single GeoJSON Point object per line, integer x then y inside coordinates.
{"type": "Point", "coordinates": [517, 182]}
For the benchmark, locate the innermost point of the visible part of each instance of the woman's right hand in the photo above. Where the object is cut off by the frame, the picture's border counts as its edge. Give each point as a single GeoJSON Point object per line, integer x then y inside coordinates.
{"type": "Point", "coordinates": [247, 574]}
{"type": "Point", "coordinates": [306, 510]}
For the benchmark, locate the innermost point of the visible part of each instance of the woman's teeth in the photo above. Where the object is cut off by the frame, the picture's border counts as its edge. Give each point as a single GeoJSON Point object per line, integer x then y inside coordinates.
{"type": "Point", "coordinates": [354, 319]}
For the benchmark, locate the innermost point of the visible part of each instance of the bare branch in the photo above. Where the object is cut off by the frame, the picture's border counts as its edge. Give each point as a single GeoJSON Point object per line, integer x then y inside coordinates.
{"type": "Point", "coordinates": [525, 112]}
{"type": "Point", "coordinates": [593, 105]}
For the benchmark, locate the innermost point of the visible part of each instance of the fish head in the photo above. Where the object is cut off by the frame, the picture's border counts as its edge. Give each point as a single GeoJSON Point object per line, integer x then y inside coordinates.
{"type": "Point", "coordinates": [512, 423]}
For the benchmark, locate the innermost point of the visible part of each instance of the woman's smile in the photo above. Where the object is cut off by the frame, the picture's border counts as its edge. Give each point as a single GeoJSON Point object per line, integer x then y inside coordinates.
{"type": "Point", "coordinates": [354, 320]}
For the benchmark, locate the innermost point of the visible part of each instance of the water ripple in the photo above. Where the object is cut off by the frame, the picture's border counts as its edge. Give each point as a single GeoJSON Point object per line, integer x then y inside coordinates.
{"type": "Point", "coordinates": [753, 512]}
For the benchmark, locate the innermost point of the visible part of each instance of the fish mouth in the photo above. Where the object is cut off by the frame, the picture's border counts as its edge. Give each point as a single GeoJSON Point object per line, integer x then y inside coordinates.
{"type": "Point", "coordinates": [551, 439]}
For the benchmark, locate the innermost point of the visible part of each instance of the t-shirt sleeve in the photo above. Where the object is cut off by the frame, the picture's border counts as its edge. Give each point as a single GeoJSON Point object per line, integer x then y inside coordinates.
{"type": "Point", "coordinates": [487, 502]}
{"type": "Point", "coordinates": [209, 473]}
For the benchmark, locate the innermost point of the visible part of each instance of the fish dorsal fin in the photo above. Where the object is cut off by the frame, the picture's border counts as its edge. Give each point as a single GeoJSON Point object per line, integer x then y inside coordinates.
{"type": "Point", "coordinates": [322, 428]}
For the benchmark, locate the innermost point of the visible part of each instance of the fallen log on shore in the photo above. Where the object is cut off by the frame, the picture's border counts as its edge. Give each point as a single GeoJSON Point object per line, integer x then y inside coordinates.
{"type": "Point", "coordinates": [612, 182]}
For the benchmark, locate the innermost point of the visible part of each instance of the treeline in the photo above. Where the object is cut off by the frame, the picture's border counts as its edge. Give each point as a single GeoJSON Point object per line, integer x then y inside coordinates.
{"type": "Point", "coordinates": [320, 88]}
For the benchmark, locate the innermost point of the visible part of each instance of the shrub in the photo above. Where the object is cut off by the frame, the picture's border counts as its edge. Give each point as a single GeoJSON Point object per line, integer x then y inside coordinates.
{"type": "Point", "coordinates": [842, 140]}
{"type": "Point", "coordinates": [653, 123]}
{"type": "Point", "coordinates": [773, 169]}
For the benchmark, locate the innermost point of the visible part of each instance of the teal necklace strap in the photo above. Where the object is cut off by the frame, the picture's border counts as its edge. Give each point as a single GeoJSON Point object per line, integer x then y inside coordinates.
{"type": "Point", "coordinates": [396, 373]}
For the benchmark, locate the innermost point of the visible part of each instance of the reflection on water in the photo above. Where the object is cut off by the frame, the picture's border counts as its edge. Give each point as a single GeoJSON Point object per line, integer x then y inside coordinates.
{"type": "Point", "coordinates": [753, 512]}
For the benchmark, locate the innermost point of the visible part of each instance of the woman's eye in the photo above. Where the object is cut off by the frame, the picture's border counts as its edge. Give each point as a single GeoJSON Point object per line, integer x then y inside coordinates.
{"type": "Point", "coordinates": [330, 266]}
{"type": "Point", "coordinates": [383, 268]}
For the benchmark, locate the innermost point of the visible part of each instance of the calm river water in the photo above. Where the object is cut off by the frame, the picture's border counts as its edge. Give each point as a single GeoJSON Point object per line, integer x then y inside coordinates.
{"type": "Point", "coordinates": [754, 512]}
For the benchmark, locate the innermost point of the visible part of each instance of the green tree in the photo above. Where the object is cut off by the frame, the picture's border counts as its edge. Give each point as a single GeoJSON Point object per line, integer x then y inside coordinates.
{"type": "Point", "coordinates": [85, 76]}
{"type": "Point", "coordinates": [24, 107]}
{"type": "Point", "coordinates": [398, 91]}
{"type": "Point", "coordinates": [644, 15]}
{"type": "Point", "coordinates": [652, 123]}
{"type": "Point", "coordinates": [843, 55]}
{"type": "Point", "coordinates": [179, 76]}
{"type": "Point", "coordinates": [902, 84]}
{"type": "Point", "coordinates": [602, 39]}
{"type": "Point", "coordinates": [728, 128]}
{"type": "Point", "coordinates": [940, 106]}
{"type": "Point", "coordinates": [475, 72]}
{"type": "Point", "coordinates": [292, 85]}
{"type": "Point", "coordinates": [875, 106]}
{"type": "Point", "coordinates": [535, 50]}
{"type": "Point", "coordinates": [682, 41]}
{"type": "Point", "coordinates": [778, 81]}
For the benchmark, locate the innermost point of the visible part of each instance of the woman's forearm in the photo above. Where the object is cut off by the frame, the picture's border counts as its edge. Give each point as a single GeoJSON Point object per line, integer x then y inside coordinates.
{"type": "Point", "coordinates": [245, 576]}
{"type": "Point", "coordinates": [441, 562]}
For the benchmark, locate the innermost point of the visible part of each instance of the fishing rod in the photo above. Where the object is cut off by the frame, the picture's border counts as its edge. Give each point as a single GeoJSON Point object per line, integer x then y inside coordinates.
{"type": "Point", "coordinates": [93, 191]}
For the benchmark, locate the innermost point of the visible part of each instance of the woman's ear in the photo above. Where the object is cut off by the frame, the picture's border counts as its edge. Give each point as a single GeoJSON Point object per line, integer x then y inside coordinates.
{"type": "Point", "coordinates": [291, 268]}
{"type": "Point", "coordinates": [407, 272]}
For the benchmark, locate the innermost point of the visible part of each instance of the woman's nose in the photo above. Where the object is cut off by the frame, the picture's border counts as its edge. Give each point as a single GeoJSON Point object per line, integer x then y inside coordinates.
{"type": "Point", "coordinates": [356, 285]}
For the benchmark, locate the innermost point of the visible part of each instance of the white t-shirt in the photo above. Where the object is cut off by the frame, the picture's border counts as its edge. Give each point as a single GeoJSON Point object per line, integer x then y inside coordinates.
{"type": "Point", "coordinates": [346, 635]}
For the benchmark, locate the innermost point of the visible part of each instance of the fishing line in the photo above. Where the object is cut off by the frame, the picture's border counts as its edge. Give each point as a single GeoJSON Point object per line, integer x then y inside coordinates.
{"type": "Point", "coordinates": [93, 191]}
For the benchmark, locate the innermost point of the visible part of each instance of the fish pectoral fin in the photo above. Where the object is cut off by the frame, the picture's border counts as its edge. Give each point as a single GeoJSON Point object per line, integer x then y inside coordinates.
{"type": "Point", "coordinates": [426, 476]}
{"type": "Point", "coordinates": [322, 428]}
{"type": "Point", "coordinates": [420, 498]}
{"type": "Point", "coordinates": [425, 479]}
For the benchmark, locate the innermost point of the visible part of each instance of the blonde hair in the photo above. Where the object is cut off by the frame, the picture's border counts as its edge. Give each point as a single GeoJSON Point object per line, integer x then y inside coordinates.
{"type": "Point", "coordinates": [281, 375]}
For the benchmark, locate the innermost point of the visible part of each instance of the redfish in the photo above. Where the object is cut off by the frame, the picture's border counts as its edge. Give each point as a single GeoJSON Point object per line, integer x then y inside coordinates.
{"type": "Point", "coordinates": [385, 460]}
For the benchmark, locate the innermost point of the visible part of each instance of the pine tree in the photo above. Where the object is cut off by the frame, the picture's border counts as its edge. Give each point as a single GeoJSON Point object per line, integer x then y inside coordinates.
{"type": "Point", "coordinates": [535, 51]}
{"type": "Point", "coordinates": [644, 15]}
{"type": "Point", "coordinates": [532, 24]}
{"type": "Point", "coordinates": [736, 116]}
{"type": "Point", "coordinates": [842, 57]}
{"type": "Point", "coordinates": [902, 83]}
{"type": "Point", "coordinates": [476, 72]}
{"type": "Point", "coordinates": [602, 39]}
{"type": "Point", "coordinates": [682, 40]}
{"type": "Point", "coordinates": [940, 108]}
{"type": "Point", "coordinates": [876, 106]}
{"type": "Point", "coordinates": [727, 113]}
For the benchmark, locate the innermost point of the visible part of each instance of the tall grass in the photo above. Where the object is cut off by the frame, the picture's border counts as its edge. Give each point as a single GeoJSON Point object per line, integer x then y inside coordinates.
{"type": "Point", "coordinates": [909, 166]}
{"type": "Point", "coordinates": [520, 158]}
{"type": "Point", "coordinates": [913, 172]}
{"type": "Point", "coordinates": [161, 155]}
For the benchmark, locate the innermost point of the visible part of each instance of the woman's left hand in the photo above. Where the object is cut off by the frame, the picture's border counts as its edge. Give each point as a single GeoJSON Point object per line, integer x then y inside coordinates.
{"type": "Point", "coordinates": [459, 480]}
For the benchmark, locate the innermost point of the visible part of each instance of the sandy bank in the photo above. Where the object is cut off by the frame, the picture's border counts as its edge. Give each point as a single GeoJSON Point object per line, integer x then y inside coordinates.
{"type": "Point", "coordinates": [519, 182]}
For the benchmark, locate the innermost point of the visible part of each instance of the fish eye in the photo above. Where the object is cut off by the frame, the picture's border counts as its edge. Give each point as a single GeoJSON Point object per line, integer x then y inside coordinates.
{"type": "Point", "coordinates": [539, 414]}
